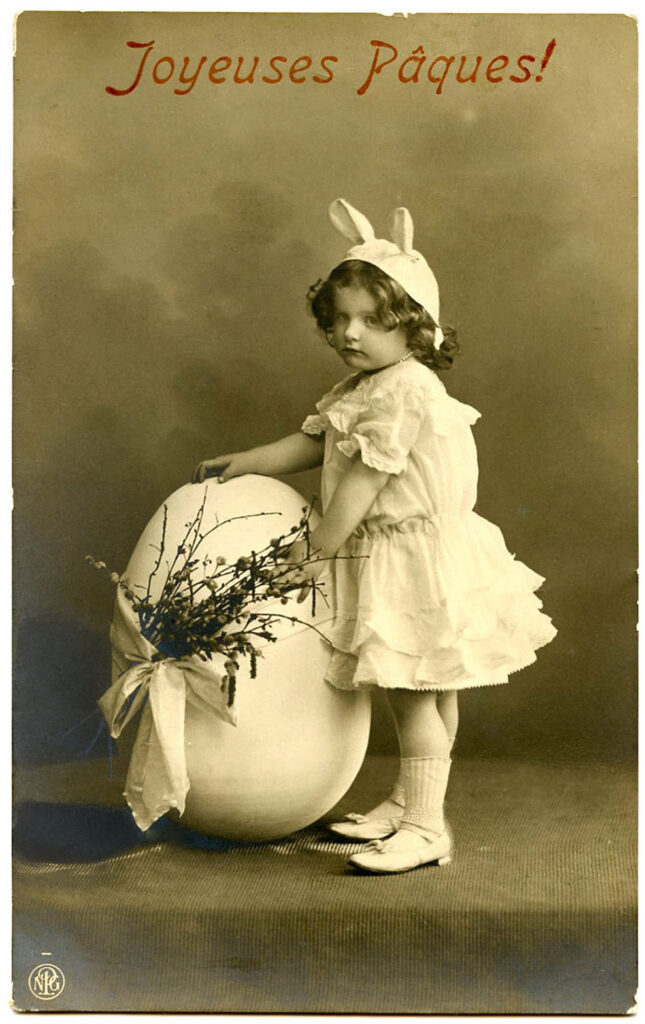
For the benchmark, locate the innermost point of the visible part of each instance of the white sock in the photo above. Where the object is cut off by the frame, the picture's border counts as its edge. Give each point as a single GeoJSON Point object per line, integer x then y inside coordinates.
{"type": "Point", "coordinates": [425, 780]}
{"type": "Point", "coordinates": [395, 801]}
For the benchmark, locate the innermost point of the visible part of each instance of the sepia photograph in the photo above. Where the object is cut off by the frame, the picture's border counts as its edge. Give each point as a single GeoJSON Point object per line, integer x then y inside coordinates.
{"type": "Point", "coordinates": [325, 513]}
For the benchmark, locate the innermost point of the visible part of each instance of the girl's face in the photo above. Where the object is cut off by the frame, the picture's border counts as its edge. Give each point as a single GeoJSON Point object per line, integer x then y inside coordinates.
{"type": "Point", "coordinates": [359, 338]}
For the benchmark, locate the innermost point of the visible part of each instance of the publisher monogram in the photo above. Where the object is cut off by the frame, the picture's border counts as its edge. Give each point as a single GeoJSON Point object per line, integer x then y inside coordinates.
{"type": "Point", "coordinates": [46, 981]}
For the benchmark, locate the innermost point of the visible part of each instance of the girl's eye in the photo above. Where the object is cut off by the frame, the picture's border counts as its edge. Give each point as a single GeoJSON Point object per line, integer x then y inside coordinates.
{"type": "Point", "coordinates": [371, 321]}
{"type": "Point", "coordinates": [340, 317]}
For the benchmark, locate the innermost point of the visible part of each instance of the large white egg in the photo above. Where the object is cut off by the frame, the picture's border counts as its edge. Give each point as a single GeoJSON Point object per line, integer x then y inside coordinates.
{"type": "Point", "coordinates": [299, 742]}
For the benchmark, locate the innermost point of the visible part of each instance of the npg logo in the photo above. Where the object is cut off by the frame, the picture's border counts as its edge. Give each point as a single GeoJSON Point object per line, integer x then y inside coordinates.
{"type": "Point", "coordinates": [46, 981]}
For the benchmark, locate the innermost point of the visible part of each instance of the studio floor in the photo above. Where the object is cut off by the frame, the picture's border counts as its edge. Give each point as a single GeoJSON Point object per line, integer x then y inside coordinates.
{"type": "Point", "coordinates": [536, 914]}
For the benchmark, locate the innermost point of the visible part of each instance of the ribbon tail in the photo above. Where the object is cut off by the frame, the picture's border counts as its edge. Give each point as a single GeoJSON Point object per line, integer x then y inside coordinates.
{"type": "Point", "coordinates": [137, 779]}
{"type": "Point", "coordinates": [168, 707]}
{"type": "Point", "coordinates": [149, 790]}
{"type": "Point", "coordinates": [113, 700]}
{"type": "Point", "coordinates": [157, 777]}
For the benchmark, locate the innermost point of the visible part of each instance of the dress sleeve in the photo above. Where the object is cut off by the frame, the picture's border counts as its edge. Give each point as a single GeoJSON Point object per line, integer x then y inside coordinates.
{"type": "Point", "coordinates": [387, 428]}
{"type": "Point", "coordinates": [319, 422]}
{"type": "Point", "coordinates": [315, 425]}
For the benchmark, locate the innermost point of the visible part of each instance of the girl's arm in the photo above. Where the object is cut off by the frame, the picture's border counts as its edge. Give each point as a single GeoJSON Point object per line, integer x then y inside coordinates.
{"type": "Point", "coordinates": [290, 454]}
{"type": "Point", "coordinates": [349, 505]}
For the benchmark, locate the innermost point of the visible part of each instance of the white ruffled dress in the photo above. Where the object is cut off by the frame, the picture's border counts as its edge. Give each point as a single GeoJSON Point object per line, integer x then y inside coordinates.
{"type": "Point", "coordinates": [431, 598]}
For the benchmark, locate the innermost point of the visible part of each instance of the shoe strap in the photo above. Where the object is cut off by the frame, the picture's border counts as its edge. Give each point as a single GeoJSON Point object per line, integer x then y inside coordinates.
{"type": "Point", "coordinates": [376, 845]}
{"type": "Point", "coordinates": [431, 835]}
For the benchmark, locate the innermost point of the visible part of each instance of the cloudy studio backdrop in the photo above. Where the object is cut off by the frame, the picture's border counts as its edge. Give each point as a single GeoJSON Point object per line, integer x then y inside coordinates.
{"type": "Point", "coordinates": [165, 241]}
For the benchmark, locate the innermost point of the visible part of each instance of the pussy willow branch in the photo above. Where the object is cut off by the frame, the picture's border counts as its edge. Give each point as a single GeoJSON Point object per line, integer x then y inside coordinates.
{"type": "Point", "coordinates": [177, 624]}
{"type": "Point", "coordinates": [161, 550]}
{"type": "Point", "coordinates": [193, 549]}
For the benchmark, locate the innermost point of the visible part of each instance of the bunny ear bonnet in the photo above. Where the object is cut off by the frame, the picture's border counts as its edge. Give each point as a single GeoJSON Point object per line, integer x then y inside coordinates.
{"type": "Point", "coordinates": [397, 258]}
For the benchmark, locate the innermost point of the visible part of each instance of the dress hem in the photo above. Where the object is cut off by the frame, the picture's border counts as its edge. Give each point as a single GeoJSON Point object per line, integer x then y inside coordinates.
{"type": "Point", "coordinates": [363, 684]}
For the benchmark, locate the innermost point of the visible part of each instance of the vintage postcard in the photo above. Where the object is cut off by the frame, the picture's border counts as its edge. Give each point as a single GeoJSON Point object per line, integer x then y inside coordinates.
{"type": "Point", "coordinates": [325, 513]}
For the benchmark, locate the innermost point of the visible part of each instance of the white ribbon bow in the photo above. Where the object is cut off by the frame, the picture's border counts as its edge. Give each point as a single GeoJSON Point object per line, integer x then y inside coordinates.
{"type": "Point", "coordinates": [157, 778]}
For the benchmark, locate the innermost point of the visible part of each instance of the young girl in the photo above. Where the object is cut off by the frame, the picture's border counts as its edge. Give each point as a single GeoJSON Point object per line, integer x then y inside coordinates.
{"type": "Point", "coordinates": [438, 604]}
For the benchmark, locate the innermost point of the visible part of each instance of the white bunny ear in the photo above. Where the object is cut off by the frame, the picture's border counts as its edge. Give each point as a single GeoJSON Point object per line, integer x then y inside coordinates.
{"type": "Point", "coordinates": [351, 224]}
{"type": "Point", "coordinates": [402, 229]}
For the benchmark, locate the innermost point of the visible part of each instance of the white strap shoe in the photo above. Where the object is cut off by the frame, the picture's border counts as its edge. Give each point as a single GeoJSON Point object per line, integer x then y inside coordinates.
{"type": "Point", "coordinates": [362, 828]}
{"type": "Point", "coordinates": [404, 851]}
{"type": "Point", "coordinates": [378, 823]}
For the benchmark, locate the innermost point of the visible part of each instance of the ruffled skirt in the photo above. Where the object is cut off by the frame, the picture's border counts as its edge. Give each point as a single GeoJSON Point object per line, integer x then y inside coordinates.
{"type": "Point", "coordinates": [433, 604]}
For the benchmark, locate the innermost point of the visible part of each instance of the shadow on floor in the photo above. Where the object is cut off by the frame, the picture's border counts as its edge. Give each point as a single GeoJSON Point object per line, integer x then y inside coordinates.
{"type": "Point", "coordinates": [77, 833]}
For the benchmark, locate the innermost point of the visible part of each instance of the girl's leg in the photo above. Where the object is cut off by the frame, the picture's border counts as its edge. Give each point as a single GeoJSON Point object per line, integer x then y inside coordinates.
{"type": "Point", "coordinates": [448, 708]}
{"type": "Point", "coordinates": [419, 724]}
{"type": "Point", "coordinates": [393, 803]}
{"type": "Point", "coordinates": [425, 722]}
{"type": "Point", "coordinates": [381, 820]}
{"type": "Point", "coordinates": [448, 712]}
{"type": "Point", "coordinates": [425, 744]}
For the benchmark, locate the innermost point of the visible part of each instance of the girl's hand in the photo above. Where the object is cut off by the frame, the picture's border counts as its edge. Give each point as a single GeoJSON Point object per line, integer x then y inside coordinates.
{"type": "Point", "coordinates": [305, 574]}
{"type": "Point", "coordinates": [290, 454]}
{"type": "Point", "coordinates": [224, 467]}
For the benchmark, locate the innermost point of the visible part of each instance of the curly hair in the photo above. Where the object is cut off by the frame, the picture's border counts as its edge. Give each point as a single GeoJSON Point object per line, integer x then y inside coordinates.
{"type": "Point", "coordinates": [394, 308]}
